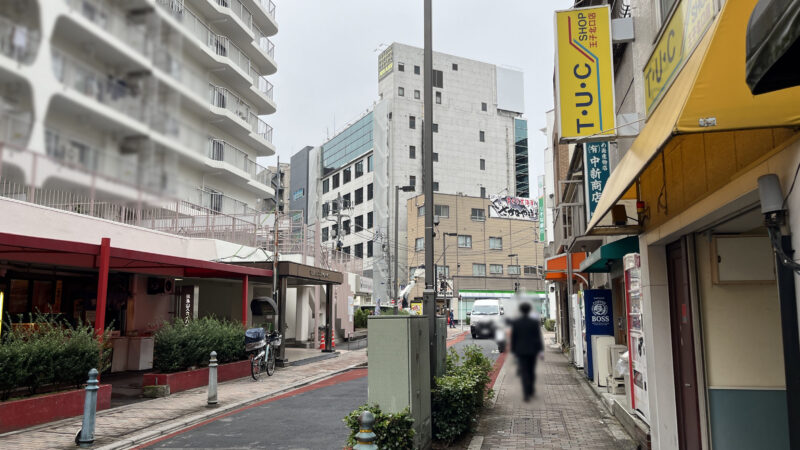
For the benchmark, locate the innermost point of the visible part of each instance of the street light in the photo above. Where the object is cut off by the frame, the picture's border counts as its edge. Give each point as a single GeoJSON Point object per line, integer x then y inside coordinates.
{"type": "Point", "coordinates": [512, 255]}
{"type": "Point", "coordinates": [397, 190]}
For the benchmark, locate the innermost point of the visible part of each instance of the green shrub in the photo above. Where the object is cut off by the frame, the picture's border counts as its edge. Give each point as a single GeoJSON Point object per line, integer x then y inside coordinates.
{"type": "Point", "coordinates": [392, 431]}
{"type": "Point", "coordinates": [360, 318]}
{"type": "Point", "coordinates": [459, 395]}
{"type": "Point", "coordinates": [179, 346]}
{"type": "Point", "coordinates": [549, 324]}
{"type": "Point", "coordinates": [52, 353]}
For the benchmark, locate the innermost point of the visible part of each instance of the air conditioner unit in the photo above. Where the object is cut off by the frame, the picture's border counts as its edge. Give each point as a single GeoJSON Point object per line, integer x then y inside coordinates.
{"type": "Point", "coordinates": [157, 286]}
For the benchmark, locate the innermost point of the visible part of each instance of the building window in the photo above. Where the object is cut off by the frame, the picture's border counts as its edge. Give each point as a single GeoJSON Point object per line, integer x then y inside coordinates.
{"type": "Point", "coordinates": [435, 186]}
{"type": "Point", "coordinates": [335, 231]}
{"type": "Point", "coordinates": [401, 67]}
{"type": "Point", "coordinates": [335, 181]}
{"type": "Point", "coordinates": [324, 234]}
{"type": "Point", "coordinates": [531, 270]}
{"type": "Point", "coordinates": [369, 191]}
{"type": "Point", "coordinates": [478, 270]}
{"type": "Point", "coordinates": [412, 180]}
{"type": "Point", "coordinates": [435, 157]}
{"type": "Point", "coordinates": [419, 245]}
{"type": "Point", "coordinates": [324, 210]}
{"type": "Point", "coordinates": [438, 79]}
{"type": "Point", "coordinates": [416, 94]}
{"type": "Point", "coordinates": [438, 98]}
{"type": "Point", "coordinates": [482, 136]}
{"type": "Point", "coordinates": [478, 215]}
{"type": "Point", "coordinates": [416, 70]}
{"type": "Point", "coordinates": [346, 250]}
{"type": "Point", "coordinates": [346, 201]}
{"type": "Point", "coordinates": [435, 127]}
{"type": "Point", "coordinates": [412, 152]}
{"type": "Point", "coordinates": [495, 243]}
{"type": "Point", "coordinates": [326, 186]}
{"type": "Point", "coordinates": [359, 224]}
{"type": "Point", "coordinates": [346, 227]}
{"type": "Point", "coordinates": [483, 106]}
{"type": "Point", "coordinates": [513, 270]}
{"type": "Point", "coordinates": [666, 7]}
{"type": "Point", "coordinates": [496, 269]}
{"type": "Point", "coordinates": [369, 164]}
{"type": "Point", "coordinates": [483, 192]}
{"type": "Point", "coordinates": [358, 250]}
{"type": "Point", "coordinates": [412, 122]}
{"type": "Point", "coordinates": [421, 211]}
{"type": "Point", "coordinates": [369, 220]}
{"type": "Point", "coordinates": [346, 175]}
{"type": "Point", "coordinates": [464, 241]}
{"type": "Point", "coordinates": [443, 211]}
{"type": "Point", "coordinates": [443, 271]}
{"type": "Point", "coordinates": [400, 91]}
{"type": "Point", "coordinates": [483, 164]}
{"type": "Point", "coordinates": [455, 67]}
{"type": "Point", "coordinates": [369, 249]}
{"type": "Point", "coordinates": [359, 168]}
{"type": "Point", "coordinates": [359, 195]}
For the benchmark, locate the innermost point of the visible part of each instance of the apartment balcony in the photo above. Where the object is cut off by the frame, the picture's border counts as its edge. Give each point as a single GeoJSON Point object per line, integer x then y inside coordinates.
{"type": "Point", "coordinates": [263, 15]}
{"type": "Point", "coordinates": [265, 51]}
{"type": "Point", "coordinates": [15, 128]}
{"type": "Point", "coordinates": [230, 17]}
{"type": "Point", "coordinates": [216, 201]}
{"type": "Point", "coordinates": [238, 165]}
{"type": "Point", "coordinates": [116, 35]}
{"type": "Point", "coordinates": [261, 132]}
{"type": "Point", "coordinates": [18, 41]}
{"type": "Point", "coordinates": [227, 104]}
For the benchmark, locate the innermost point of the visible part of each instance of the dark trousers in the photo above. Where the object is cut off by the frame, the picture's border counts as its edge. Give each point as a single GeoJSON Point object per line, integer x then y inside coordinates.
{"type": "Point", "coordinates": [527, 371]}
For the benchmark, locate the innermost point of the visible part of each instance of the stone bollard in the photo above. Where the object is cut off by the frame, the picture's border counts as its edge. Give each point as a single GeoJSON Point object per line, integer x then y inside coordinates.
{"type": "Point", "coordinates": [85, 436]}
{"type": "Point", "coordinates": [365, 437]}
{"type": "Point", "coordinates": [212, 380]}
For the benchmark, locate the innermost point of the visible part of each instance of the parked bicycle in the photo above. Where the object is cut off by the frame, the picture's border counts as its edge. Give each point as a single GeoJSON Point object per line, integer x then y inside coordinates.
{"type": "Point", "coordinates": [262, 349]}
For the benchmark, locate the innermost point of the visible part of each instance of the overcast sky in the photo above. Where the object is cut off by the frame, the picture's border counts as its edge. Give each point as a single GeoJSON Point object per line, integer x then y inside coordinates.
{"type": "Point", "coordinates": [327, 54]}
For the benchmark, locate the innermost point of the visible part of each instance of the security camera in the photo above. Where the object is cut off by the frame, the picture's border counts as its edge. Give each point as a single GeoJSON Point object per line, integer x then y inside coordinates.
{"type": "Point", "coordinates": [770, 193]}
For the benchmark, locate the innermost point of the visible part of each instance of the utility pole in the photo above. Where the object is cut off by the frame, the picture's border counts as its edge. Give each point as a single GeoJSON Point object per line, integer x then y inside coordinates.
{"type": "Point", "coordinates": [429, 294]}
{"type": "Point", "coordinates": [277, 185]}
{"type": "Point", "coordinates": [396, 281]}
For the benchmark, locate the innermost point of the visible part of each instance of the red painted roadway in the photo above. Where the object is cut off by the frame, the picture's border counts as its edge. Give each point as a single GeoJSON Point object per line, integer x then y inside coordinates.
{"type": "Point", "coordinates": [336, 379]}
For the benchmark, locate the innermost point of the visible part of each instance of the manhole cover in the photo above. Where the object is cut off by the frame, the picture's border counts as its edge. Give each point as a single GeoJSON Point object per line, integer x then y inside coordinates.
{"type": "Point", "coordinates": [525, 426]}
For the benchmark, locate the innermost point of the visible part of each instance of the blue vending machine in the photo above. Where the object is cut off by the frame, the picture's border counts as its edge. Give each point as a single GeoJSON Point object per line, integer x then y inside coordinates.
{"type": "Point", "coordinates": [599, 320]}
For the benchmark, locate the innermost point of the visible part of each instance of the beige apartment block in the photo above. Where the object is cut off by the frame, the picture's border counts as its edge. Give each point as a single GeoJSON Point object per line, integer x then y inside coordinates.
{"type": "Point", "coordinates": [477, 259]}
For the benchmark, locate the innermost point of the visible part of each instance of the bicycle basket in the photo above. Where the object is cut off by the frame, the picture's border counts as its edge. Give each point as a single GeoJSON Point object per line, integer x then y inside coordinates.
{"type": "Point", "coordinates": [254, 335]}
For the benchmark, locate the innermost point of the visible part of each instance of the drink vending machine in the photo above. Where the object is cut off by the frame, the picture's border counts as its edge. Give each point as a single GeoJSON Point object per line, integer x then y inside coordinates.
{"type": "Point", "coordinates": [637, 361]}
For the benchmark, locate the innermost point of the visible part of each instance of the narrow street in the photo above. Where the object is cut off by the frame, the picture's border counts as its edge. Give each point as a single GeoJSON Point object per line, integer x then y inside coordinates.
{"type": "Point", "coordinates": [564, 413]}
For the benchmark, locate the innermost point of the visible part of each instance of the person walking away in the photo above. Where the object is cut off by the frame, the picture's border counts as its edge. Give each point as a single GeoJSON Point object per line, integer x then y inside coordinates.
{"type": "Point", "coordinates": [451, 319]}
{"type": "Point", "coordinates": [526, 344]}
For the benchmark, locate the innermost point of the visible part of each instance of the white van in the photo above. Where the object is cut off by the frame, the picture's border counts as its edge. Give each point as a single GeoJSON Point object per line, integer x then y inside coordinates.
{"type": "Point", "coordinates": [485, 317]}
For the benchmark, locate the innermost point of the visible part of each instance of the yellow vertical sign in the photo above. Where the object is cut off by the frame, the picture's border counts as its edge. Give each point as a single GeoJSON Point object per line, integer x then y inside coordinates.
{"type": "Point", "coordinates": [584, 73]}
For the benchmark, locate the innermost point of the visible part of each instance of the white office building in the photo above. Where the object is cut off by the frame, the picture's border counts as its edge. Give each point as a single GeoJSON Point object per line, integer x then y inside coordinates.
{"type": "Point", "coordinates": [144, 99]}
{"type": "Point", "coordinates": [480, 149]}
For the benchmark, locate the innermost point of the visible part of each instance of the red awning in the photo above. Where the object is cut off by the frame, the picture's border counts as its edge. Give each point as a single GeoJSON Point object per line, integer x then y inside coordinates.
{"type": "Point", "coordinates": [18, 248]}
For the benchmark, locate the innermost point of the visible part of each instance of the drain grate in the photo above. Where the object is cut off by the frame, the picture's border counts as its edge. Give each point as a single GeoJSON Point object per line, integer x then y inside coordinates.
{"type": "Point", "coordinates": [526, 426]}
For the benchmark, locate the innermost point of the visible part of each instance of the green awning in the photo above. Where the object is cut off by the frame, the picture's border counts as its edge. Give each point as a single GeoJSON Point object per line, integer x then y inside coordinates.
{"type": "Point", "coordinates": [599, 260]}
{"type": "Point", "coordinates": [773, 46]}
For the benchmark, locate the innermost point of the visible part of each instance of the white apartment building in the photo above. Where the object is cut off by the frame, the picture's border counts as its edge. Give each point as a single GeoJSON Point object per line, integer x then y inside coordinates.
{"type": "Point", "coordinates": [153, 98]}
{"type": "Point", "coordinates": [480, 149]}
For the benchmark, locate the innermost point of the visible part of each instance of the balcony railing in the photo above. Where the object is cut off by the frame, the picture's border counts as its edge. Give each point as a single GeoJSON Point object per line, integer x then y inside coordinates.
{"type": "Point", "coordinates": [73, 152]}
{"type": "Point", "coordinates": [219, 150]}
{"type": "Point", "coordinates": [187, 135]}
{"type": "Point", "coordinates": [268, 6]}
{"type": "Point", "coordinates": [263, 85]}
{"type": "Point", "coordinates": [105, 88]}
{"type": "Point", "coordinates": [260, 127]}
{"type": "Point", "coordinates": [217, 201]}
{"type": "Point", "coordinates": [263, 42]}
{"type": "Point", "coordinates": [17, 41]}
{"type": "Point", "coordinates": [101, 14]}
{"type": "Point", "coordinates": [239, 10]}
{"type": "Point", "coordinates": [15, 127]}
{"type": "Point", "coordinates": [224, 98]}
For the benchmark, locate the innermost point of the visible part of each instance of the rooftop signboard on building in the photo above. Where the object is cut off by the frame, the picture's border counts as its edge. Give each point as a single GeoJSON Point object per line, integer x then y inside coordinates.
{"type": "Point", "coordinates": [513, 208]}
{"type": "Point", "coordinates": [584, 73]}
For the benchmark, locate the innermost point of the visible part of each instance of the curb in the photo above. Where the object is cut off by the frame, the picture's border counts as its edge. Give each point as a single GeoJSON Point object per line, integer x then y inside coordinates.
{"type": "Point", "coordinates": [142, 438]}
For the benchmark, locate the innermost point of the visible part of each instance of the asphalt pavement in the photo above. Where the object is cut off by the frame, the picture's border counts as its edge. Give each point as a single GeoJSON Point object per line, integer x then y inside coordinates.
{"type": "Point", "coordinates": [488, 346]}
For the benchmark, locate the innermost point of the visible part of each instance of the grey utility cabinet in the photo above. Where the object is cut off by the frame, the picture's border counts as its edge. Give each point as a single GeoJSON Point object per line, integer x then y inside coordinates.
{"type": "Point", "coordinates": [399, 369]}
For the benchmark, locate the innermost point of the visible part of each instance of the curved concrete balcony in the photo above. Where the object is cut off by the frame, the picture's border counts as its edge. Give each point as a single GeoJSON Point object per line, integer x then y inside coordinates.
{"type": "Point", "coordinates": [18, 41]}
{"type": "Point", "coordinates": [230, 17]}
{"type": "Point", "coordinates": [263, 15]}
{"type": "Point", "coordinates": [238, 166]}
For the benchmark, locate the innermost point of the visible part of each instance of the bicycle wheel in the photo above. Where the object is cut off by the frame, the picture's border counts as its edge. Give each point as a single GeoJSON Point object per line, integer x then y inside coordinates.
{"type": "Point", "coordinates": [255, 367]}
{"type": "Point", "coordinates": [271, 362]}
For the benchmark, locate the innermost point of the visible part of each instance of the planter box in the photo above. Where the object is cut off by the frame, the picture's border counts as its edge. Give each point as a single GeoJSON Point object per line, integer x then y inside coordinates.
{"type": "Point", "coordinates": [190, 379]}
{"type": "Point", "coordinates": [28, 412]}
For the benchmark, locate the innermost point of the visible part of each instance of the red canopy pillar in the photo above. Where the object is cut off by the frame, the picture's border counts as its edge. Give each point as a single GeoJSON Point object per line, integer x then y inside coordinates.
{"type": "Point", "coordinates": [103, 262]}
{"type": "Point", "coordinates": [244, 300]}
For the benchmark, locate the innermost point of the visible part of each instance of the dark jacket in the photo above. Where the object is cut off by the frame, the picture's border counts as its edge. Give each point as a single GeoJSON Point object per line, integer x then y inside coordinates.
{"type": "Point", "coordinates": [526, 337]}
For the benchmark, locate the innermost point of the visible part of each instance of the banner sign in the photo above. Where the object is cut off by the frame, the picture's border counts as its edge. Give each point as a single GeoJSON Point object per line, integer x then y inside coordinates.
{"type": "Point", "coordinates": [682, 34]}
{"type": "Point", "coordinates": [595, 166]}
{"type": "Point", "coordinates": [584, 73]}
{"type": "Point", "coordinates": [542, 226]}
{"type": "Point", "coordinates": [513, 208]}
{"type": "Point", "coordinates": [385, 63]}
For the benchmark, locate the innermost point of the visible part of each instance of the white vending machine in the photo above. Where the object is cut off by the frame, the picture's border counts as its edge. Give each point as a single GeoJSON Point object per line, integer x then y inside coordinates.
{"type": "Point", "coordinates": [637, 359]}
{"type": "Point", "coordinates": [577, 330]}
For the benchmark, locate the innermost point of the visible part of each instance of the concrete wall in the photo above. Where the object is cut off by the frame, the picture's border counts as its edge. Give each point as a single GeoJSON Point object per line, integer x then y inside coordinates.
{"type": "Point", "coordinates": [147, 312]}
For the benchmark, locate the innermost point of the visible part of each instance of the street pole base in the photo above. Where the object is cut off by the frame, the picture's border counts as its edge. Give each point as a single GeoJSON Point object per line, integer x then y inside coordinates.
{"type": "Point", "coordinates": [328, 351]}
{"type": "Point", "coordinates": [282, 362]}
